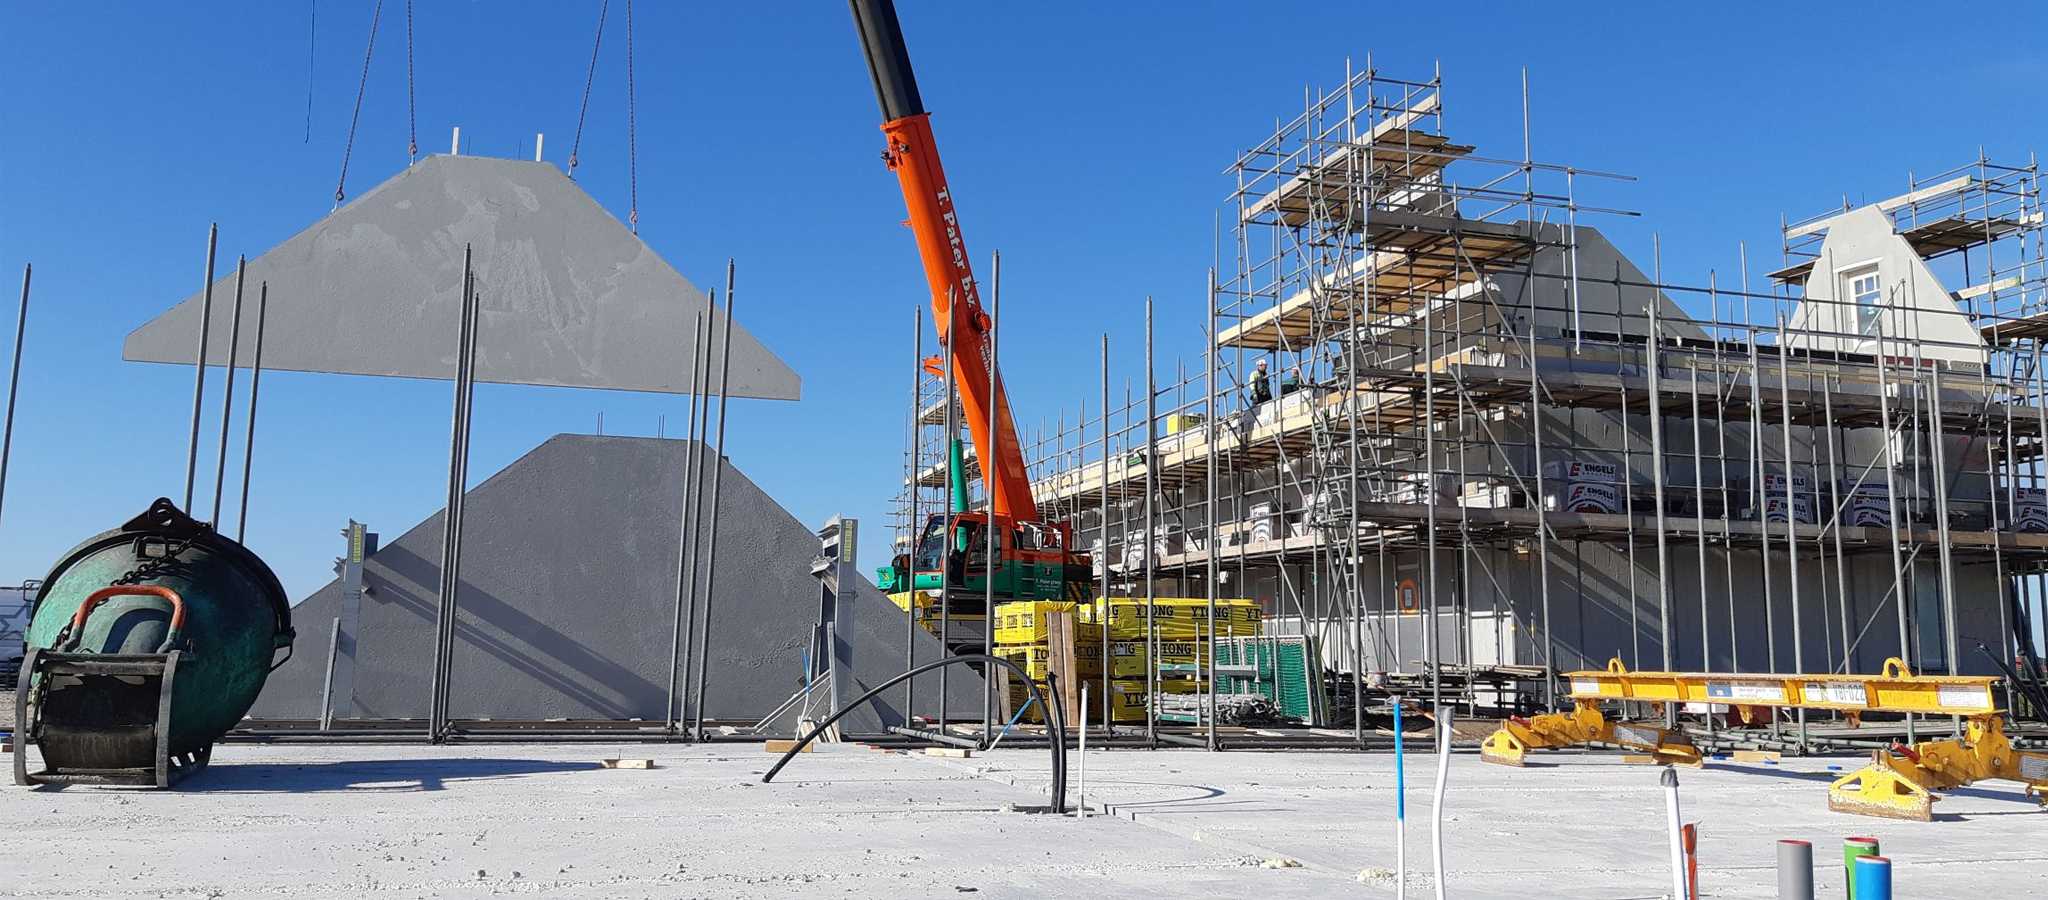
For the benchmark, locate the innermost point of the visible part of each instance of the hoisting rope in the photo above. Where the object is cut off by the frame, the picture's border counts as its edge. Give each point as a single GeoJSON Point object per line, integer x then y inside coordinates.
{"type": "Point", "coordinates": [349, 148]}
{"type": "Point", "coordinates": [577, 142]}
{"type": "Point", "coordinates": [632, 132]}
{"type": "Point", "coordinates": [412, 116]}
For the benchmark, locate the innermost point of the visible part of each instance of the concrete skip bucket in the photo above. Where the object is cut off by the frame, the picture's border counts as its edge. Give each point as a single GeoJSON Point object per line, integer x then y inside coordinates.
{"type": "Point", "coordinates": [147, 644]}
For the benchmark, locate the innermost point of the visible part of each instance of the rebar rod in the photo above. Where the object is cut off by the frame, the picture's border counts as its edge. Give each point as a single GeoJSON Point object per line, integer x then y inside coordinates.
{"type": "Point", "coordinates": [1151, 537]}
{"type": "Point", "coordinates": [255, 390]}
{"type": "Point", "coordinates": [451, 516]}
{"type": "Point", "coordinates": [1791, 520]}
{"type": "Point", "coordinates": [671, 711]}
{"type": "Point", "coordinates": [717, 481]}
{"type": "Point", "coordinates": [947, 569]}
{"type": "Point", "coordinates": [692, 539]}
{"type": "Point", "coordinates": [914, 530]}
{"type": "Point", "coordinates": [227, 394]}
{"type": "Point", "coordinates": [14, 380]}
{"type": "Point", "coordinates": [199, 369]}
{"type": "Point", "coordinates": [993, 547]}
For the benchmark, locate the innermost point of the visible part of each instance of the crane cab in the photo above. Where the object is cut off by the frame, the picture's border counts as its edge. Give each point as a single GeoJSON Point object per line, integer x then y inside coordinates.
{"type": "Point", "coordinates": [952, 558]}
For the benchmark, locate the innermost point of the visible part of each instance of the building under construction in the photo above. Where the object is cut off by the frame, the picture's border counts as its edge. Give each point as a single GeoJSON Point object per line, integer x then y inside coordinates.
{"type": "Point", "coordinates": [1487, 438]}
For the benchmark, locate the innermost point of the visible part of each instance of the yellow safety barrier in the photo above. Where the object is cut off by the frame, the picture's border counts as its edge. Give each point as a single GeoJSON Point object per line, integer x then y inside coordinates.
{"type": "Point", "coordinates": [1898, 782]}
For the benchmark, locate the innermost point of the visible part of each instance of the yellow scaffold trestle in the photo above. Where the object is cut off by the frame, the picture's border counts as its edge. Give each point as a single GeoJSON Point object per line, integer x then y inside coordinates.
{"type": "Point", "coordinates": [1899, 781]}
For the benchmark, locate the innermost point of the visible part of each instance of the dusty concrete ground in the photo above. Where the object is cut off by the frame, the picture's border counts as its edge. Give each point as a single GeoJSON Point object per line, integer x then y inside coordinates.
{"type": "Point", "coordinates": [378, 822]}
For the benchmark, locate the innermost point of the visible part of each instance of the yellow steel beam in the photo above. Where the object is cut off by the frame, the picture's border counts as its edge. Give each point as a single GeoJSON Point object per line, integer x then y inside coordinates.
{"type": "Point", "coordinates": [1895, 690]}
{"type": "Point", "coordinates": [1899, 783]}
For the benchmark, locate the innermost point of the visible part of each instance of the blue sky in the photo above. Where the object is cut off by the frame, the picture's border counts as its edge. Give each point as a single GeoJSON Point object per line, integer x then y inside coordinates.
{"type": "Point", "coordinates": [1087, 141]}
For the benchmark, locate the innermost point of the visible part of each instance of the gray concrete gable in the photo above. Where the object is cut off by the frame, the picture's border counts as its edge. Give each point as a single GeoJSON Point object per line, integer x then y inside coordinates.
{"type": "Point", "coordinates": [568, 594]}
{"type": "Point", "coordinates": [569, 296]}
{"type": "Point", "coordinates": [1919, 317]}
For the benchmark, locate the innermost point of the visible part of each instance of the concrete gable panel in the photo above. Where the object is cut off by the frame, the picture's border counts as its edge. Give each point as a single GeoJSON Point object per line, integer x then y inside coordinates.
{"type": "Point", "coordinates": [568, 601]}
{"type": "Point", "coordinates": [569, 296]}
{"type": "Point", "coordinates": [1610, 297]}
{"type": "Point", "coordinates": [1921, 318]}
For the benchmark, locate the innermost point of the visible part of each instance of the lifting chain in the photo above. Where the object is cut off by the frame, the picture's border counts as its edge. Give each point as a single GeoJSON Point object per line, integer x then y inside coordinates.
{"type": "Point", "coordinates": [576, 143]}
{"type": "Point", "coordinates": [151, 566]}
{"type": "Point", "coordinates": [348, 149]}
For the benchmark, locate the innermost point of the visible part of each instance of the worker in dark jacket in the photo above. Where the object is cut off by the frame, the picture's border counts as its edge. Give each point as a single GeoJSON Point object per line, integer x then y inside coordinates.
{"type": "Point", "coordinates": [1260, 384]}
{"type": "Point", "coordinates": [1290, 382]}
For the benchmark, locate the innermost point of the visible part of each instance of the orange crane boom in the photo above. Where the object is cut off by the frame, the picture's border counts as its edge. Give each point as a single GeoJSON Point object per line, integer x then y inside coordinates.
{"type": "Point", "coordinates": [956, 299]}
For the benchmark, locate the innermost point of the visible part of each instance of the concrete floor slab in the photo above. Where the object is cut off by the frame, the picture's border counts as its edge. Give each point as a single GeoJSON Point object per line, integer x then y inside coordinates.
{"type": "Point", "coordinates": [376, 822]}
{"type": "Point", "coordinates": [1570, 825]}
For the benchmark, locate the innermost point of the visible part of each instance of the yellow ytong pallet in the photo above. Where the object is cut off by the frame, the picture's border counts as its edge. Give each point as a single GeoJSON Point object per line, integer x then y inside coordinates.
{"type": "Point", "coordinates": [1036, 659]}
{"type": "Point", "coordinates": [1127, 659]}
{"type": "Point", "coordinates": [1128, 698]}
{"type": "Point", "coordinates": [1897, 784]}
{"type": "Point", "coordinates": [1026, 621]}
{"type": "Point", "coordinates": [1034, 714]}
{"type": "Point", "coordinates": [1177, 617]}
{"type": "Point", "coordinates": [1177, 659]}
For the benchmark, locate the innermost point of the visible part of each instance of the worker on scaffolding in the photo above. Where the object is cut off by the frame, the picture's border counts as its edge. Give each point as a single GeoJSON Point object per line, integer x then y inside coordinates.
{"type": "Point", "coordinates": [1290, 382]}
{"type": "Point", "coordinates": [1260, 384]}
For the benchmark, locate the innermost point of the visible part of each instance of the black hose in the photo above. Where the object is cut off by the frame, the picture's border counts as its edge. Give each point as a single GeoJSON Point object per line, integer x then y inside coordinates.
{"type": "Point", "coordinates": [1055, 718]}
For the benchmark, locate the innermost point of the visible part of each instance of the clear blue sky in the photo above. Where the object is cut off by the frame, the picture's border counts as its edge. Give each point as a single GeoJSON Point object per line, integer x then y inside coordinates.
{"type": "Point", "coordinates": [1086, 140]}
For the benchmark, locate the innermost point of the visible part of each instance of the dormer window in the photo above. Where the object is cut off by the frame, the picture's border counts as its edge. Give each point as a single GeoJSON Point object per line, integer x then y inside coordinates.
{"type": "Point", "coordinates": [1866, 297]}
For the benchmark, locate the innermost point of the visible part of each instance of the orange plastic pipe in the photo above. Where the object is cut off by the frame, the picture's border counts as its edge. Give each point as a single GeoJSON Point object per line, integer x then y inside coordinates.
{"type": "Point", "coordinates": [103, 595]}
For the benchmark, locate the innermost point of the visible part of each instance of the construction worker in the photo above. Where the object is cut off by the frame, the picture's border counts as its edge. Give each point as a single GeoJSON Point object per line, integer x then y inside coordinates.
{"type": "Point", "coordinates": [1290, 382]}
{"type": "Point", "coordinates": [1260, 384]}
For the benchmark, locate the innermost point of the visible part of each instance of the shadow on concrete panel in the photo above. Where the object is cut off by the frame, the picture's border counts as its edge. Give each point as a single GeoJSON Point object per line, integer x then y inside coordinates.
{"type": "Point", "coordinates": [566, 609]}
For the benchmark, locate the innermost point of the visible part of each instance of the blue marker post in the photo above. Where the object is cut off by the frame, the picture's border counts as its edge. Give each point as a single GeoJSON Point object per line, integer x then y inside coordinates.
{"type": "Point", "coordinates": [1873, 878]}
{"type": "Point", "coordinates": [1400, 810]}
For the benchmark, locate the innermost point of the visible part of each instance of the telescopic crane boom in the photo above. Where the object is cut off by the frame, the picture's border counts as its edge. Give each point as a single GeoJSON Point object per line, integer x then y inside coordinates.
{"type": "Point", "coordinates": [1025, 558]}
{"type": "Point", "coordinates": [956, 299]}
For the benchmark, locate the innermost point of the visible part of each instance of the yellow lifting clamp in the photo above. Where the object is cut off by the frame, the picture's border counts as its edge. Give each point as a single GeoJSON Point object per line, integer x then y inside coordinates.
{"type": "Point", "coordinates": [1585, 724]}
{"type": "Point", "coordinates": [1898, 783]}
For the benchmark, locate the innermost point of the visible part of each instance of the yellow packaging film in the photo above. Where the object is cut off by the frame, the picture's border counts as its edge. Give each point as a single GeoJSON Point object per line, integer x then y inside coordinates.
{"type": "Point", "coordinates": [1178, 617]}
{"type": "Point", "coordinates": [1025, 621]}
{"type": "Point", "coordinates": [1037, 659]}
{"type": "Point", "coordinates": [1128, 697]}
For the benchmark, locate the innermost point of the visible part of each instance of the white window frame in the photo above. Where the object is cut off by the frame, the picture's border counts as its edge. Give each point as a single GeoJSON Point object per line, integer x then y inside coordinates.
{"type": "Point", "coordinates": [1863, 316]}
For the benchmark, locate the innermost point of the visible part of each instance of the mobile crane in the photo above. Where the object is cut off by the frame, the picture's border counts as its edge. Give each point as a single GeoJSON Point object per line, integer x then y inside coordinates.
{"type": "Point", "coordinates": [1032, 558]}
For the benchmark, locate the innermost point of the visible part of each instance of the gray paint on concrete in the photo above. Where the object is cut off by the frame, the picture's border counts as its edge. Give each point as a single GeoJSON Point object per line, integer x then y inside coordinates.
{"type": "Point", "coordinates": [569, 568]}
{"type": "Point", "coordinates": [569, 296]}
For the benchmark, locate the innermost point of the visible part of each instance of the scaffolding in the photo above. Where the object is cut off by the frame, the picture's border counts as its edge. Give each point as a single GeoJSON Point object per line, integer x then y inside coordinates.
{"type": "Point", "coordinates": [1495, 448]}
